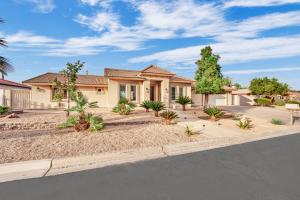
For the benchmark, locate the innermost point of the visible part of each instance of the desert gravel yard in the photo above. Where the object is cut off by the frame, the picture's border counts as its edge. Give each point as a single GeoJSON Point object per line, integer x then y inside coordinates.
{"type": "Point", "coordinates": [137, 130]}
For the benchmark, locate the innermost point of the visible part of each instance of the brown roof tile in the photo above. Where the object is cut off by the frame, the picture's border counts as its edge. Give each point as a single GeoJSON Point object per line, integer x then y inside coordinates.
{"type": "Point", "coordinates": [180, 79]}
{"type": "Point", "coordinates": [13, 84]}
{"type": "Point", "coordinates": [48, 78]}
{"type": "Point", "coordinates": [156, 70]}
{"type": "Point", "coordinates": [110, 72]}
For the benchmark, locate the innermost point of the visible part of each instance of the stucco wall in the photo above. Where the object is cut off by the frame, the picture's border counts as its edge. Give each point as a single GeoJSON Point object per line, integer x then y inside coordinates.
{"type": "Point", "coordinates": [187, 91]}
{"type": "Point", "coordinates": [41, 97]}
{"type": "Point", "coordinates": [213, 99]}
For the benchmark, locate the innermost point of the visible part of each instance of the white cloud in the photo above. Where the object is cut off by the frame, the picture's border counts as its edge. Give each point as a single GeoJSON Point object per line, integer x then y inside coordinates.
{"type": "Point", "coordinates": [28, 38]}
{"type": "Point", "coordinates": [256, 71]}
{"type": "Point", "coordinates": [233, 51]}
{"type": "Point", "coordinates": [257, 3]}
{"type": "Point", "coordinates": [43, 6]}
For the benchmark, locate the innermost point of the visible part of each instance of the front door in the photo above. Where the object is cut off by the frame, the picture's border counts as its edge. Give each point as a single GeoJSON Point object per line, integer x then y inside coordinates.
{"type": "Point", "coordinates": [152, 93]}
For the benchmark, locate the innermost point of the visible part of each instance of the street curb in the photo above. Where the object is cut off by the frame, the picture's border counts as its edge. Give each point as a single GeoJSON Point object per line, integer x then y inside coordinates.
{"type": "Point", "coordinates": [57, 166]}
{"type": "Point", "coordinates": [24, 170]}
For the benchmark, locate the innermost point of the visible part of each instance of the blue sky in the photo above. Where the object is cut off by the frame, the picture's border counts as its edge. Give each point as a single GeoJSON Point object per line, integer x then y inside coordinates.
{"type": "Point", "coordinates": [254, 38]}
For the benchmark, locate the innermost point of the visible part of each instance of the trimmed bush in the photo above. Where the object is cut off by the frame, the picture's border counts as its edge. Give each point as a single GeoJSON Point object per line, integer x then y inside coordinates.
{"type": "Point", "coordinates": [263, 101]}
{"type": "Point", "coordinates": [3, 110]}
{"type": "Point", "coordinates": [293, 102]}
{"type": "Point", "coordinates": [157, 106]}
{"type": "Point", "coordinates": [277, 122]}
{"type": "Point", "coordinates": [168, 116]}
{"type": "Point", "coordinates": [184, 100]}
{"type": "Point", "coordinates": [279, 102]}
{"type": "Point", "coordinates": [146, 104]}
{"type": "Point", "coordinates": [214, 112]}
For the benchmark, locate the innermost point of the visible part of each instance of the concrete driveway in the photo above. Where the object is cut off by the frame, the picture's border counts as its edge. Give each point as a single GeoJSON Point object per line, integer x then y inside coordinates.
{"type": "Point", "coordinates": [267, 169]}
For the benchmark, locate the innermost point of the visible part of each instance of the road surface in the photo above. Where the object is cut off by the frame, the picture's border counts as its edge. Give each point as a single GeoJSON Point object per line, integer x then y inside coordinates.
{"type": "Point", "coordinates": [267, 170]}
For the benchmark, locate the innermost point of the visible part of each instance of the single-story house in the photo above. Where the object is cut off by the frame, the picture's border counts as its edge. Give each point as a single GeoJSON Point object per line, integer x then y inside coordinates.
{"type": "Point", "coordinates": [14, 95]}
{"type": "Point", "coordinates": [151, 83]}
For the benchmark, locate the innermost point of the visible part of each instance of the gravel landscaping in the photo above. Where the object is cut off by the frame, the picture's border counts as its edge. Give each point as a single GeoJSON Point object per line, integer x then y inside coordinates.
{"type": "Point", "coordinates": [137, 130]}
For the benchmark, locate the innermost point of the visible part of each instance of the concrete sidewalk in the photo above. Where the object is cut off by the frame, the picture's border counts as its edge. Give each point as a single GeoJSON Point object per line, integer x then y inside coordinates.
{"type": "Point", "coordinates": [50, 167]}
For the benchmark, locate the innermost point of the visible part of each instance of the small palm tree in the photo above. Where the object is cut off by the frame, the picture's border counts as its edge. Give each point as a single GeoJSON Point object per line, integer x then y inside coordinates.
{"type": "Point", "coordinates": [168, 116]}
{"type": "Point", "coordinates": [184, 100]}
{"type": "Point", "coordinates": [146, 104]}
{"type": "Point", "coordinates": [157, 106]}
{"type": "Point", "coordinates": [81, 105]}
{"type": "Point", "coordinates": [5, 66]}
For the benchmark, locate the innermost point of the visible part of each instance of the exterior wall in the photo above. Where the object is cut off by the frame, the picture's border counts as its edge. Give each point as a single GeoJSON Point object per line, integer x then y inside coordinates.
{"type": "Point", "coordinates": [214, 99]}
{"type": "Point", "coordinates": [5, 94]}
{"type": "Point", "coordinates": [114, 91]}
{"type": "Point", "coordinates": [187, 91]}
{"type": "Point", "coordinates": [41, 97]}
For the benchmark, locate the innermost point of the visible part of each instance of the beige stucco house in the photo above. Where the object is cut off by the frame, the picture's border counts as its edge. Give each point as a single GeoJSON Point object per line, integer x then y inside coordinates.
{"type": "Point", "coordinates": [151, 83]}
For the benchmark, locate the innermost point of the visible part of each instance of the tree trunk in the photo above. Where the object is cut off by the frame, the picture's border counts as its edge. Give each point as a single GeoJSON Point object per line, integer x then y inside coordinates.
{"type": "Point", "coordinates": [68, 111]}
{"type": "Point", "coordinates": [205, 101]}
{"type": "Point", "coordinates": [147, 109]}
{"type": "Point", "coordinates": [156, 114]}
{"type": "Point", "coordinates": [183, 108]}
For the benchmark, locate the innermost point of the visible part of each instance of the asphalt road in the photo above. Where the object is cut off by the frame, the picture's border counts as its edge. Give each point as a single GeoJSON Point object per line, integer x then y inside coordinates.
{"type": "Point", "coordinates": [267, 170]}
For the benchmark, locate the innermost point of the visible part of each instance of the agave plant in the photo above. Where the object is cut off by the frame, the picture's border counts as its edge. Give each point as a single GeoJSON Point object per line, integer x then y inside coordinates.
{"type": "Point", "coordinates": [245, 123]}
{"type": "Point", "coordinates": [168, 116]}
{"type": "Point", "coordinates": [214, 112]}
{"type": "Point", "coordinates": [157, 106]}
{"type": "Point", "coordinates": [184, 100]}
{"type": "Point", "coordinates": [146, 104]}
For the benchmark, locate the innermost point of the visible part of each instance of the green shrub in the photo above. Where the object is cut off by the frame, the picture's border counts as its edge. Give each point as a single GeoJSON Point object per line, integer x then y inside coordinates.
{"type": "Point", "coordinates": [277, 122]}
{"type": "Point", "coordinates": [3, 110]}
{"type": "Point", "coordinates": [157, 106]}
{"type": "Point", "coordinates": [124, 107]}
{"type": "Point", "coordinates": [214, 112]}
{"type": "Point", "coordinates": [146, 104]}
{"type": "Point", "coordinates": [183, 100]}
{"type": "Point", "coordinates": [263, 101]}
{"type": "Point", "coordinates": [245, 123]}
{"type": "Point", "coordinates": [189, 131]}
{"type": "Point", "coordinates": [95, 122]}
{"type": "Point", "coordinates": [71, 121]}
{"type": "Point", "coordinates": [168, 116]}
{"type": "Point", "coordinates": [279, 102]}
{"type": "Point", "coordinates": [293, 102]}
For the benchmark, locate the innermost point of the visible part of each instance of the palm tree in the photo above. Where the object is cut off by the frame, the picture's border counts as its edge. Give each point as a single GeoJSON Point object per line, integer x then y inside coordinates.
{"type": "Point", "coordinates": [157, 106]}
{"type": "Point", "coordinates": [5, 66]}
{"type": "Point", "coordinates": [184, 100]}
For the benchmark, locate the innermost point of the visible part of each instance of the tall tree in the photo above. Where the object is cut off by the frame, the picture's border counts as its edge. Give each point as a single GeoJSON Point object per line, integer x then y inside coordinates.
{"type": "Point", "coordinates": [268, 86]}
{"type": "Point", "coordinates": [209, 79]}
{"type": "Point", "coordinates": [5, 66]}
{"type": "Point", "coordinates": [69, 83]}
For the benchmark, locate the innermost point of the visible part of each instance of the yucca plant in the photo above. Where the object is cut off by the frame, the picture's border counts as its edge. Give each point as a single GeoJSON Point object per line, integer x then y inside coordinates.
{"type": "Point", "coordinates": [168, 116]}
{"type": "Point", "coordinates": [214, 112]}
{"type": "Point", "coordinates": [146, 104]}
{"type": "Point", "coordinates": [245, 123]}
{"type": "Point", "coordinates": [189, 131]}
{"type": "Point", "coordinates": [157, 106]}
{"type": "Point", "coordinates": [183, 101]}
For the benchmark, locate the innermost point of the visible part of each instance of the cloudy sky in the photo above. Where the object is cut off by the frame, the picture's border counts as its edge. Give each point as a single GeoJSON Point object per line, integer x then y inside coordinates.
{"type": "Point", "coordinates": [254, 38]}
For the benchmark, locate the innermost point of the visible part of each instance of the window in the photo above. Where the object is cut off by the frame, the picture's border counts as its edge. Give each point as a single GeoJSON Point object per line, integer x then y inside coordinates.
{"type": "Point", "coordinates": [181, 91]}
{"type": "Point", "coordinates": [173, 93]}
{"type": "Point", "coordinates": [133, 93]}
{"type": "Point", "coordinates": [122, 91]}
{"type": "Point", "coordinates": [56, 94]}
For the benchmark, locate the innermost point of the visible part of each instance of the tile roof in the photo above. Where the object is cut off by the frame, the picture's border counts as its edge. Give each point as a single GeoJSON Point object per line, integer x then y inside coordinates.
{"type": "Point", "coordinates": [156, 70]}
{"type": "Point", "coordinates": [13, 84]}
{"type": "Point", "coordinates": [180, 79]}
{"type": "Point", "coordinates": [48, 78]}
{"type": "Point", "coordinates": [110, 72]}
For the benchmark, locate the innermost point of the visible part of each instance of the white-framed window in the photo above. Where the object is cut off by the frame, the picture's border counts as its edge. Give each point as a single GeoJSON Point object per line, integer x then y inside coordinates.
{"type": "Point", "coordinates": [122, 91]}
{"type": "Point", "coordinates": [181, 91]}
{"type": "Point", "coordinates": [132, 92]}
{"type": "Point", "coordinates": [55, 92]}
{"type": "Point", "coordinates": [173, 93]}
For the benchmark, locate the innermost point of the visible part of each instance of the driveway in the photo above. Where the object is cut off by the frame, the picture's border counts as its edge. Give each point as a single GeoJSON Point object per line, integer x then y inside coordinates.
{"type": "Point", "coordinates": [267, 169]}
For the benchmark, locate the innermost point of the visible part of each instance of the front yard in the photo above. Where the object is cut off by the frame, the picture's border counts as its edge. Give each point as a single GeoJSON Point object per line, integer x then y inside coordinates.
{"type": "Point", "coordinates": [39, 140]}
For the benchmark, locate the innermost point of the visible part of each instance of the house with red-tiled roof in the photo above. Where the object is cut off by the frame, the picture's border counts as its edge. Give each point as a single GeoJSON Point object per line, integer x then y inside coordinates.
{"type": "Point", "coordinates": [152, 83]}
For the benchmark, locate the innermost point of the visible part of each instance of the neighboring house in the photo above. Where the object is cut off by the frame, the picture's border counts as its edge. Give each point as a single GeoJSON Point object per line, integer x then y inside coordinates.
{"type": "Point", "coordinates": [152, 83]}
{"type": "Point", "coordinates": [294, 95]}
{"type": "Point", "coordinates": [14, 95]}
